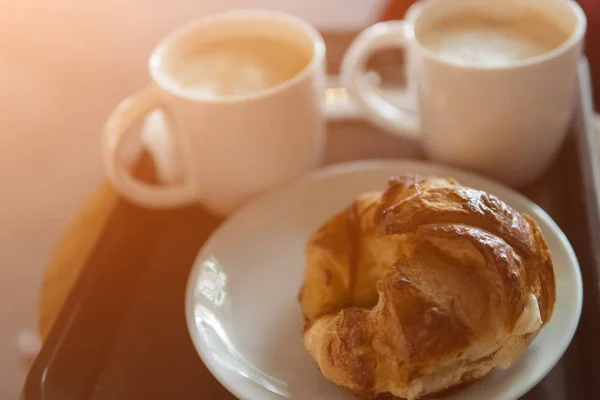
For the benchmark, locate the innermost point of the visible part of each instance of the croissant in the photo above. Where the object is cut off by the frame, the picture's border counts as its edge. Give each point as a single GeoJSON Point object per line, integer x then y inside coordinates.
{"type": "Point", "coordinates": [423, 288]}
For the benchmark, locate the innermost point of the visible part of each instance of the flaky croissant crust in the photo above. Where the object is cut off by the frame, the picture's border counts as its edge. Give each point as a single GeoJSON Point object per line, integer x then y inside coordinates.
{"type": "Point", "coordinates": [424, 287]}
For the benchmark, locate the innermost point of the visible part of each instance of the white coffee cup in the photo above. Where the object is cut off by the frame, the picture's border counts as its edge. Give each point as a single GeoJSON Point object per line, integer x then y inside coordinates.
{"type": "Point", "coordinates": [230, 147]}
{"type": "Point", "coordinates": [508, 121]}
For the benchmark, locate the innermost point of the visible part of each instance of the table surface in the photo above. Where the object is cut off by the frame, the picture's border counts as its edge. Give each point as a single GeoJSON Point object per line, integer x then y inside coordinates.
{"type": "Point", "coordinates": [193, 225]}
{"type": "Point", "coordinates": [80, 238]}
{"type": "Point", "coordinates": [123, 377]}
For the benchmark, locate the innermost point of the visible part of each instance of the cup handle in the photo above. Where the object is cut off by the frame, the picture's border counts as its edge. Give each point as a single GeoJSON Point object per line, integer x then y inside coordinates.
{"type": "Point", "coordinates": [116, 132]}
{"type": "Point", "coordinates": [383, 35]}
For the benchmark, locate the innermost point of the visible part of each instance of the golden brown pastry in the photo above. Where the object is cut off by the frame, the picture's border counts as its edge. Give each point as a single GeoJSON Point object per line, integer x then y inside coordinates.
{"type": "Point", "coordinates": [424, 287]}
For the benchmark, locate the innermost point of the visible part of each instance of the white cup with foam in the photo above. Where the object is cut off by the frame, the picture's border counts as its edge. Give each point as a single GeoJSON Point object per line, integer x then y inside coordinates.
{"type": "Point", "coordinates": [494, 82]}
{"type": "Point", "coordinates": [242, 118]}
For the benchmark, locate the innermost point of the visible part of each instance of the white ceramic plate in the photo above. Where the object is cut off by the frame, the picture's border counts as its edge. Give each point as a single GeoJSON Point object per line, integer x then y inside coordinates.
{"type": "Point", "coordinates": [241, 306]}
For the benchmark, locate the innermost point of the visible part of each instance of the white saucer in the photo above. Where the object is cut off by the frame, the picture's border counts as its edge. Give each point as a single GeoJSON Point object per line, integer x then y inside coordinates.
{"type": "Point", "coordinates": [241, 306]}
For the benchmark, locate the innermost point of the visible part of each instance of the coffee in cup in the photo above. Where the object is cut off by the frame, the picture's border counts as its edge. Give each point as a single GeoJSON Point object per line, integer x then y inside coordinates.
{"type": "Point", "coordinates": [481, 40]}
{"type": "Point", "coordinates": [238, 65]}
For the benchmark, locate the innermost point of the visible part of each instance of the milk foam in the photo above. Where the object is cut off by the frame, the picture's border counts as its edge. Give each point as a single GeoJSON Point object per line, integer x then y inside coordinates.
{"type": "Point", "coordinates": [481, 41]}
{"type": "Point", "coordinates": [239, 65]}
{"type": "Point", "coordinates": [224, 74]}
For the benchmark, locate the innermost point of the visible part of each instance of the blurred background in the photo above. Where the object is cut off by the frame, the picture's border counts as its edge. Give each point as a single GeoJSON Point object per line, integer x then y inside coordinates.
{"type": "Point", "coordinates": [64, 64]}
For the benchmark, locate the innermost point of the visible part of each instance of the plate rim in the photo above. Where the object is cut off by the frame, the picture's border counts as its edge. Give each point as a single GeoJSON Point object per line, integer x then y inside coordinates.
{"type": "Point", "coordinates": [375, 164]}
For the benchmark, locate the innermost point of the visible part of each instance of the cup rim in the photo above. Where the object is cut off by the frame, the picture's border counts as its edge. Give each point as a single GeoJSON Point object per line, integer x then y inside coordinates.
{"type": "Point", "coordinates": [417, 9]}
{"type": "Point", "coordinates": [159, 52]}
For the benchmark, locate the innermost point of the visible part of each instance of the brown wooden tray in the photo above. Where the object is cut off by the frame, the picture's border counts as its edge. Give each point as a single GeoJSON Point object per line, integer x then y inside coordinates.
{"type": "Point", "coordinates": [121, 333]}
